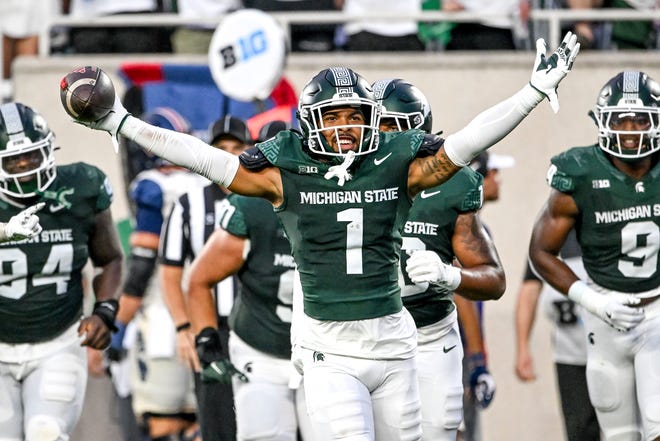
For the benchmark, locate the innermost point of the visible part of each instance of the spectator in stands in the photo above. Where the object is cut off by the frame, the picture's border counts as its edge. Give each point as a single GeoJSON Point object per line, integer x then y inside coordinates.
{"type": "Point", "coordinates": [21, 21]}
{"type": "Point", "coordinates": [494, 33]}
{"type": "Point", "coordinates": [124, 39]}
{"type": "Point", "coordinates": [633, 34]}
{"type": "Point", "coordinates": [586, 31]}
{"type": "Point", "coordinates": [434, 35]}
{"type": "Point", "coordinates": [196, 39]}
{"type": "Point", "coordinates": [612, 35]}
{"type": "Point", "coordinates": [381, 35]}
{"type": "Point", "coordinates": [304, 37]}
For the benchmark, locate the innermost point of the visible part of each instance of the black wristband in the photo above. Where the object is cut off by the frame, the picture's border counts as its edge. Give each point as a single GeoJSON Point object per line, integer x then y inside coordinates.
{"type": "Point", "coordinates": [106, 310]}
{"type": "Point", "coordinates": [183, 327]}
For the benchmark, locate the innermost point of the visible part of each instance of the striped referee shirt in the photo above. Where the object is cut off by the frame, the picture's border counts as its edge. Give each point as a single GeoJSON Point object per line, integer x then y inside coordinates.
{"type": "Point", "coordinates": [192, 219]}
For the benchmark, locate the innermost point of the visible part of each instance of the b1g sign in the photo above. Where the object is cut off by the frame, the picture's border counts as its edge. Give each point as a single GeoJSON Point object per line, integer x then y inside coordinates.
{"type": "Point", "coordinates": [247, 54]}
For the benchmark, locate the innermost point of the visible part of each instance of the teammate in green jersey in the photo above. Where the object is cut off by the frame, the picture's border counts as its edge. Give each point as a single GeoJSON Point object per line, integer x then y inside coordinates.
{"type": "Point", "coordinates": [343, 191]}
{"type": "Point", "coordinates": [43, 362]}
{"type": "Point", "coordinates": [442, 226]}
{"type": "Point", "coordinates": [251, 243]}
{"type": "Point", "coordinates": [610, 193]}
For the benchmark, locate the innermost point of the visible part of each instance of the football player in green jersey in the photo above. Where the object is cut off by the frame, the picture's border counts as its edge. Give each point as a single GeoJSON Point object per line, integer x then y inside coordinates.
{"type": "Point", "coordinates": [609, 193]}
{"type": "Point", "coordinates": [442, 226]}
{"type": "Point", "coordinates": [251, 244]}
{"type": "Point", "coordinates": [43, 362]}
{"type": "Point", "coordinates": [343, 191]}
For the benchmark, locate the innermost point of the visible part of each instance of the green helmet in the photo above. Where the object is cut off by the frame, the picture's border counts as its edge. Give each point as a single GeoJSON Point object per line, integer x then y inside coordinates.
{"type": "Point", "coordinates": [331, 88]}
{"type": "Point", "coordinates": [27, 163]}
{"type": "Point", "coordinates": [629, 94]}
{"type": "Point", "coordinates": [404, 103]}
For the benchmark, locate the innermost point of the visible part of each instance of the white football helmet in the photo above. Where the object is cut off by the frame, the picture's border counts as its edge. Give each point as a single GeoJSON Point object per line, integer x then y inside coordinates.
{"type": "Point", "coordinates": [27, 163]}
{"type": "Point", "coordinates": [629, 94]}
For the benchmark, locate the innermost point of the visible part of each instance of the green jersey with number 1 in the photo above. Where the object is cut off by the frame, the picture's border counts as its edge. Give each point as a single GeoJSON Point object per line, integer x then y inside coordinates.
{"type": "Point", "coordinates": [41, 291]}
{"type": "Point", "coordinates": [261, 315]}
{"type": "Point", "coordinates": [618, 224]}
{"type": "Point", "coordinates": [346, 239]}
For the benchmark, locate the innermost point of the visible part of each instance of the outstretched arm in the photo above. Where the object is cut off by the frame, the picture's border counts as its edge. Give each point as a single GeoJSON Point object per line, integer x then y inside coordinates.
{"type": "Point", "coordinates": [493, 124]}
{"type": "Point", "coordinates": [189, 152]}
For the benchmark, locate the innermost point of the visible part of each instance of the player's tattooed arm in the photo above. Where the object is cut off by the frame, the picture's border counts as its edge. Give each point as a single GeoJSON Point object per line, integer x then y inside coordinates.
{"type": "Point", "coordinates": [482, 273]}
{"type": "Point", "coordinates": [430, 171]}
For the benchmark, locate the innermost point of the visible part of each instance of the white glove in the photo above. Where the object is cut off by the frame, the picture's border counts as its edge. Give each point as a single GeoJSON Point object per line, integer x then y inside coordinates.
{"type": "Point", "coordinates": [615, 309]}
{"type": "Point", "coordinates": [110, 123]}
{"type": "Point", "coordinates": [25, 224]}
{"type": "Point", "coordinates": [426, 266]}
{"type": "Point", "coordinates": [548, 72]}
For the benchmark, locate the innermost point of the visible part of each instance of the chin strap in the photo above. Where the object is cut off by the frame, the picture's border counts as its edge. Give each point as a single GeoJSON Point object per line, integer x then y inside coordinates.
{"type": "Point", "coordinates": [341, 171]}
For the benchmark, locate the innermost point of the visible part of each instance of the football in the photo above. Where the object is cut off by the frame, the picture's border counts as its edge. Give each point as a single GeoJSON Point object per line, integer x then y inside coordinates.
{"type": "Point", "coordinates": [87, 93]}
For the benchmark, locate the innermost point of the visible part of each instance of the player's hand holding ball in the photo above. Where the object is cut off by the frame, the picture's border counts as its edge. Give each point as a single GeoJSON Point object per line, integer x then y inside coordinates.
{"type": "Point", "coordinates": [88, 96]}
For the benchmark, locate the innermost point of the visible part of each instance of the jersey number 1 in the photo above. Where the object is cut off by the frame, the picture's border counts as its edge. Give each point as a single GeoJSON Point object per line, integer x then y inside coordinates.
{"type": "Point", "coordinates": [354, 237]}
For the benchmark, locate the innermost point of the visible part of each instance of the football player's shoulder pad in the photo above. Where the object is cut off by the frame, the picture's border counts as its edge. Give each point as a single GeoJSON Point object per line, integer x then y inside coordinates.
{"type": "Point", "coordinates": [253, 159]}
{"type": "Point", "coordinates": [430, 145]}
{"type": "Point", "coordinates": [576, 161]}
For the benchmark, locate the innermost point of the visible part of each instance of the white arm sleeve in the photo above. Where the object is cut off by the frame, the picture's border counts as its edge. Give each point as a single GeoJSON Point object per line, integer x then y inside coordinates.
{"type": "Point", "coordinates": [184, 150]}
{"type": "Point", "coordinates": [490, 126]}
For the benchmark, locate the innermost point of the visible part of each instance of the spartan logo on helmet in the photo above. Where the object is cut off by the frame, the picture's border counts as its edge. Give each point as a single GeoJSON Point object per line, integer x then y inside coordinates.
{"type": "Point", "coordinates": [331, 88]}
{"type": "Point", "coordinates": [27, 163]}
{"type": "Point", "coordinates": [404, 105]}
{"type": "Point", "coordinates": [629, 95]}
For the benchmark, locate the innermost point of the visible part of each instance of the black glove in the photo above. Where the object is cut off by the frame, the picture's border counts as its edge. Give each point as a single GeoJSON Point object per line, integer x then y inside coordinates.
{"type": "Point", "coordinates": [216, 368]}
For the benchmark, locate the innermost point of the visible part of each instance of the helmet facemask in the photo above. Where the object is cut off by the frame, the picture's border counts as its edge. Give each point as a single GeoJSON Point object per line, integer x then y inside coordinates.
{"type": "Point", "coordinates": [27, 166]}
{"type": "Point", "coordinates": [331, 89]}
{"type": "Point", "coordinates": [403, 121]}
{"type": "Point", "coordinates": [610, 139]}
{"type": "Point", "coordinates": [317, 142]}
{"type": "Point", "coordinates": [631, 96]}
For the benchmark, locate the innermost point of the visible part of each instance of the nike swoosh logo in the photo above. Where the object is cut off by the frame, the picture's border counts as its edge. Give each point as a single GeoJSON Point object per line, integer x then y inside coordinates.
{"type": "Point", "coordinates": [446, 349]}
{"type": "Point", "coordinates": [54, 208]}
{"type": "Point", "coordinates": [379, 161]}
{"type": "Point", "coordinates": [425, 194]}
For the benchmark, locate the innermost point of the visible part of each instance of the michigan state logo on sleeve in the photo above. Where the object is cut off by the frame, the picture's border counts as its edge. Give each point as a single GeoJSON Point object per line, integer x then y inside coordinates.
{"type": "Point", "coordinates": [559, 180]}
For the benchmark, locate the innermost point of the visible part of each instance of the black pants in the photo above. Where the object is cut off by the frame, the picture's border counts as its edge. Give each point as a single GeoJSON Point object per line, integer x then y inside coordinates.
{"type": "Point", "coordinates": [579, 415]}
{"type": "Point", "coordinates": [215, 403]}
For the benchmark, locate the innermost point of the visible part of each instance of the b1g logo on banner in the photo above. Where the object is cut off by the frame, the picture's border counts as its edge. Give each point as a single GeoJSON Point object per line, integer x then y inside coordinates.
{"type": "Point", "coordinates": [247, 55]}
